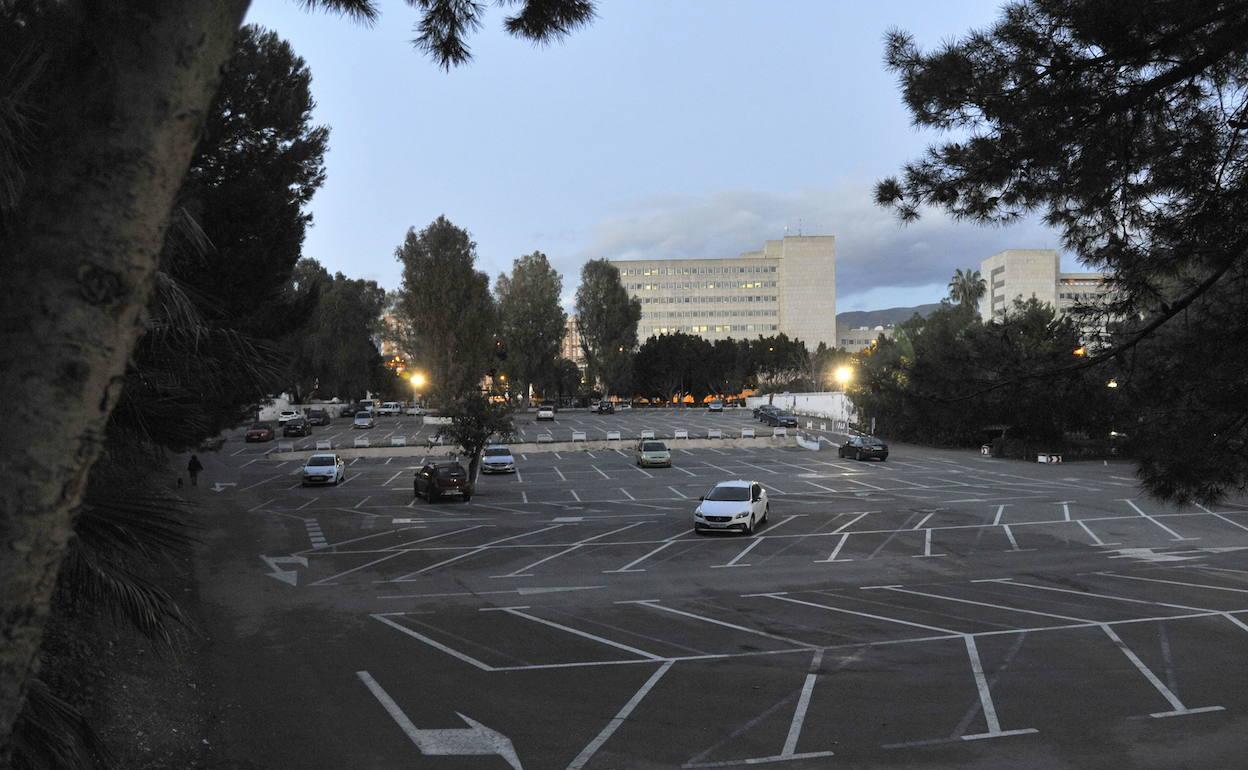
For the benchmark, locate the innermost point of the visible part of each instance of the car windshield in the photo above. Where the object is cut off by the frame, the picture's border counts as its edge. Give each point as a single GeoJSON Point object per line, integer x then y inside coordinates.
{"type": "Point", "coordinates": [319, 460]}
{"type": "Point", "coordinates": [653, 446]}
{"type": "Point", "coordinates": [497, 452]}
{"type": "Point", "coordinates": [364, 415]}
{"type": "Point", "coordinates": [450, 471]}
{"type": "Point", "coordinates": [734, 494]}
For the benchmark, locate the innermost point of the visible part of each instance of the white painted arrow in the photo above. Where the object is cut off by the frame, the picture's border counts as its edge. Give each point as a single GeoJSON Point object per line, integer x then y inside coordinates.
{"type": "Point", "coordinates": [286, 576]}
{"type": "Point", "coordinates": [220, 486]}
{"type": "Point", "coordinates": [474, 740]}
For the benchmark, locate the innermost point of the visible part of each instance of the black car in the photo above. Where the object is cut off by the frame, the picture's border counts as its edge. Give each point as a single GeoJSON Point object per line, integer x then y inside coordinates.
{"type": "Point", "coordinates": [349, 410]}
{"type": "Point", "coordinates": [318, 417]}
{"type": "Point", "coordinates": [435, 479]}
{"type": "Point", "coordinates": [863, 448]}
{"type": "Point", "coordinates": [761, 412]}
{"type": "Point", "coordinates": [297, 426]}
{"type": "Point", "coordinates": [605, 407]}
{"type": "Point", "coordinates": [780, 419]}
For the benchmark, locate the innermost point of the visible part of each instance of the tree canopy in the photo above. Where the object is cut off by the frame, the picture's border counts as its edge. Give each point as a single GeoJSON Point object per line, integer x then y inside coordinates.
{"type": "Point", "coordinates": [1123, 127]}
{"type": "Point", "coordinates": [608, 319]}
{"type": "Point", "coordinates": [530, 318]}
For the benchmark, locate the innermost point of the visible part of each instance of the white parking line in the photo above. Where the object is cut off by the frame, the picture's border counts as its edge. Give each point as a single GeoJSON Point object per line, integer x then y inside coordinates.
{"type": "Point", "coordinates": [517, 611]}
{"type": "Point", "coordinates": [588, 752]}
{"type": "Point", "coordinates": [679, 494]}
{"type": "Point", "coordinates": [985, 698]}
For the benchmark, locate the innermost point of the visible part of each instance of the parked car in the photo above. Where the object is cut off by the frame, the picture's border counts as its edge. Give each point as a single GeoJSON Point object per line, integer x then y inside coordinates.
{"type": "Point", "coordinates": [863, 448]}
{"type": "Point", "coordinates": [740, 505]}
{"type": "Point", "coordinates": [324, 469]}
{"type": "Point", "coordinates": [715, 406]}
{"type": "Point", "coordinates": [212, 444]}
{"type": "Point", "coordinates": [414, 411]}
{"type": "Point", "coordinates": [764, 409]}
{"type": "Point", "coordinates": [389, 409]}
{"type": "Point", "coordinates": [298, 426]}
{"type": "Point", "coordinates": [319, 417]}
{"type": "Point", "coordinates": [605, 407]}
{"type": "Point", "coordinates": [286, 415]}
{"type": "Point", "coordinates": [545, 412]}
{"type": "Point", "coordinates": [260, 431]}
{"type": "Point", "coordinates": [363, 420]}
{"type": "Point", "coordinates": [653, 453]}
{"type": "Point", "coordinates": [497, 459]}
{"type": "Point", "coordinates": [435, 479]}
{"type": "Point", "coordinates": [349, 410]}
{"type": "Point", "coordinates": [780, 419]}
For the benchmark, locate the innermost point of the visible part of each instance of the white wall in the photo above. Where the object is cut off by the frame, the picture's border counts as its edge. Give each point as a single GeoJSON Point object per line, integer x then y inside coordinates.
{"type": "Point", "coordinates": [829, 406]}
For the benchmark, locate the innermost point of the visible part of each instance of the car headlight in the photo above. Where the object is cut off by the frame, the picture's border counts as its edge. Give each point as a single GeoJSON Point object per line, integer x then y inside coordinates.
{"type": "Point", "coordinates": [697, 512]}
{"type": "Point", "coordinates": [743, 515]}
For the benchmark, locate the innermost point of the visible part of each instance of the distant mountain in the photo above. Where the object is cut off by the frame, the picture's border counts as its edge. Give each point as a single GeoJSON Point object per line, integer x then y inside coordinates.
{"type": "Point", "coordinates": [856, 319]}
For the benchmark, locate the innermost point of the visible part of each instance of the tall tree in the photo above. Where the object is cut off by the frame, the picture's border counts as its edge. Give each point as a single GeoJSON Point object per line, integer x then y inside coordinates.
{"type": "Point", "coordinates": [334, 354]}
{"type": "Point", "coordinates": [1123, 125]}
{"type": "Point", "coordinates": [448, 300]}
{"type": "Point", "coordinates": [967, 287]}
{"type": "Point", "coordinates": [608, 322]}
{"type": "Point", "coordinates": [102, 107]}
{"type": "Point", "coordinates": [531, 320]}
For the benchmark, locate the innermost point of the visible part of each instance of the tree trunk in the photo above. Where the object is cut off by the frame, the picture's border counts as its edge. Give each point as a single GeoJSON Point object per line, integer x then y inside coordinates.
{"type": "Point", "coordinates": [127, 91]}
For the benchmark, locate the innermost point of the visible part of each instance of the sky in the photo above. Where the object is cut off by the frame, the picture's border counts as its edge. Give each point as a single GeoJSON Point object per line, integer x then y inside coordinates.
{"type": "Point", "coordinates": [666, 129]}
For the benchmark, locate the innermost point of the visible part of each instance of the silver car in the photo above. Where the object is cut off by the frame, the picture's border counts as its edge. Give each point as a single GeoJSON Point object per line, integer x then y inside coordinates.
{"type": "Point", "coordinates": [497, 459]}
{"type": "Point", "coordinates": [363, 420]}
{"type": "Point", "coordinates": [653, 454]}
{"type": "Point", "coordinates": [324, 469]}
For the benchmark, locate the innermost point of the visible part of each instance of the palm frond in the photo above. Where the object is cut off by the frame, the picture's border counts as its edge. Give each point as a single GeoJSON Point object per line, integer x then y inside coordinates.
{"type": "Point", "coordinates": [50, 733]}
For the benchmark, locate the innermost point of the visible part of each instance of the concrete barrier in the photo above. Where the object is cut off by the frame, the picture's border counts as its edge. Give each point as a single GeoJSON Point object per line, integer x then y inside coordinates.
{"type": "Point", "coordinates": [613, 435]}
{"type": "Point", "coordinates": [436, 420]}
{"type": "Point", "coordinates": [680, 433]}
{"type": "Point", "coordinates": [398, 441]}
{"type": "Point", "coordinates": [780, 432]}
{"type": "Point", "coordinates": [714, 433]}
{"type": "Point", "coordinates": [986, 449]}
{"type": "Point", "coordinates": [808, 442]}
{"type": "Point", "coordinates": [361, 441]}
{"type": "Point", "coordinates": [578, 435]}
{"type": "Point", "coordinates": [647, 434]}
{"type": "Point", "coordinates": [747, 433]}
{"type": "Point", "coordinates": [545, 438]}
{"type": "Point", "coordinates": [1048, 458]}
{"type": "Point", "coordinates": [285, 446]}
{"type": "Point", "coordinates": [823, 426]}
{"type": "Point", "coordinates": [324, 444]}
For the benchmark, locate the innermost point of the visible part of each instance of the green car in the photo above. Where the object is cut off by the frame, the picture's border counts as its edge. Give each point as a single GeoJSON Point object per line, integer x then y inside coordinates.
{"type": "Point", "coordinates": [654, 454]}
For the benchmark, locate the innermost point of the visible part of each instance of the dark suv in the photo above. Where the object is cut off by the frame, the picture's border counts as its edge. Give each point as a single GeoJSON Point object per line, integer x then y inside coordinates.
{"type": "Point", "coordinates": [435, 479]}
{"type": "Point", "coordinates": [318, 417]}
{"type": "Point", "coordinates": [605, 407]}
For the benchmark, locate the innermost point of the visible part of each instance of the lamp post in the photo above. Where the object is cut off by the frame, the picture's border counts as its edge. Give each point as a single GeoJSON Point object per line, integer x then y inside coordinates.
{"type": "Point", "coordinates": [418, 381]}
{"type": "Point", "coordinates": [844, 375]}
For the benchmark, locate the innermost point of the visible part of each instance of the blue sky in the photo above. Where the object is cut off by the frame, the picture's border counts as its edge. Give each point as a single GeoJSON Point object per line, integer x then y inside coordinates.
{"type": "Point", "coordinates": [679, 128]}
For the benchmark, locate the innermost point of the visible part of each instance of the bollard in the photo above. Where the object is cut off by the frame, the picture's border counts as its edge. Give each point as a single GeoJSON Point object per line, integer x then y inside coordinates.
{"type": "Point", "coordinates": [578, 435]}
{"type": "Point", "coordinates": [680, 433]}
{"type": "Point", "coordinates": [398, 441]}
{"type": "Point", "coordinates": [324, 444]}
{"type": "Point", "coordinates": [361, 441]}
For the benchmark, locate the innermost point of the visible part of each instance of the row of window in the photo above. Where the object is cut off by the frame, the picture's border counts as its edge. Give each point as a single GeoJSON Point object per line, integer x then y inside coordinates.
{"type": "Point", "coordinates": [648, 271]}
{"type": "Point", "coordinates": [1085, 296]}
{"type": "Point", "coordinates": [649, 314]}
{"type": "Point", "coordinates": [648, 331]}
{"type": "Point", "coordinates": [708, 300]}
{"type": "Point", "coordinates": [702, 285]}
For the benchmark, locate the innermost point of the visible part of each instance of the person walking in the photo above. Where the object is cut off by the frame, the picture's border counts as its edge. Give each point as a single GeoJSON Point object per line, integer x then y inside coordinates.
{"type": "Point", "coordinates": [193, 468]}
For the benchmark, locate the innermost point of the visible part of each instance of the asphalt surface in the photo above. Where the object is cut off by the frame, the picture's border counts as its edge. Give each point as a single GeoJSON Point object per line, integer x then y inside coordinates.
{"type": "Point", "coordinates": [940, 609]}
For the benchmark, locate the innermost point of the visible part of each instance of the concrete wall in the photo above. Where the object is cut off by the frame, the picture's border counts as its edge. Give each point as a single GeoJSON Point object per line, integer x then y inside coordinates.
{"type": "Point", "coordinates": [1020, 273]}
{"type": "Point", "coordinates": [829, 406]}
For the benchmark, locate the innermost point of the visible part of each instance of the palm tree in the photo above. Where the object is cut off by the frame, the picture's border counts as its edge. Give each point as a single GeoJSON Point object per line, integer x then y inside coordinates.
{"type": "Point", "coordinates": [967, 287]}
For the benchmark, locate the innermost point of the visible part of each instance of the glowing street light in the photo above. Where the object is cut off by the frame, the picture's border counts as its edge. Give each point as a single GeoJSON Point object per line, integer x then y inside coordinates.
{"type": "Point", "coordinates": [1080, 351]}
{"type": "Point", "coordinates": [1112, 384]}
{"type": "Point", "coordinates": [418, 380]}
{"type": "Point", "coordinates": [844, 375]}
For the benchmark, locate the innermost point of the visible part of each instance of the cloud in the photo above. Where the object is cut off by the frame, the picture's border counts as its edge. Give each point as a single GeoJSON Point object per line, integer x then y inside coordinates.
{"type": "Point", "coordinates": [873, 250]}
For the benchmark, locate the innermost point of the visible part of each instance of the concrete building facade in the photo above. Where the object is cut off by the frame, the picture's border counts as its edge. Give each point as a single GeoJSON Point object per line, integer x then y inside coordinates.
{"type": "Point", "coordinates": [787, 286]}
{"type": "Point", "coordinates": [1026, 273]}
{"type": "Point", "coordinates": [858, 340]}
{"type": "Point", "coordinates": [570, 346]}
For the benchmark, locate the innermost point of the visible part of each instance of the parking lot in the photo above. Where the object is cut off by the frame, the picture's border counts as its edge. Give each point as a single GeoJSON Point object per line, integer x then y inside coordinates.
{"type": "Point", "coordinates": [939, 609]}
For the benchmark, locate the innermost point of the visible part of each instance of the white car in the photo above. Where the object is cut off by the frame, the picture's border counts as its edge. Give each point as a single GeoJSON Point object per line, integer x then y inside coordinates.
{"type": "Point", "coordinates": [389, 409]}
{"type": "Point", "coordinates": [363, 420]}
{"type": "Point", "coordinates": [740, 505]}
{"type": "Point", "coordinates": [497, 459]}
{"type": "Point", "coordinates": [715, 406]}
{"type": "Point", "coordinates": [545, 413]}
{"type": "Point", "coordinates": [324, 469]}
{"type": "Point", "coordinates": [414, 411]}
{"type": "Point", "coordinates": [286, 415]}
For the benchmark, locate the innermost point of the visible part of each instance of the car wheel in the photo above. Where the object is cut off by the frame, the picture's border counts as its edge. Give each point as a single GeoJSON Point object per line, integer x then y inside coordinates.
{"type": "Point", "coordinates": [749, 526]}
{"type": "Point", "coordinates": [467, 497]}
{"type": "Point", "coordinates": [858, 455]}
{"type": "Point", "coordinates": [766, 510]}
{"type": "Point", "coordinates": [431, 496]}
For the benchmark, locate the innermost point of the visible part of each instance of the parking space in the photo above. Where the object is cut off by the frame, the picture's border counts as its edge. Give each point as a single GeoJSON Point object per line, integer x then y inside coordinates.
{"type": "Point", "coordinates": [939, 608]}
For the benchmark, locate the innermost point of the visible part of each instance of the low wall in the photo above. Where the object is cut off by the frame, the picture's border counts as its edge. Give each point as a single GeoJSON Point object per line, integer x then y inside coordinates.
{"type": "Point", "coordinates": [833, 405]}
{"type": "Point", "coordinates": [417, 450]}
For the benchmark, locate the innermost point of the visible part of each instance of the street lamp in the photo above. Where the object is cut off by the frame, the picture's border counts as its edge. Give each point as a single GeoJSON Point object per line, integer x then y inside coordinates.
{"type": "Point", "coordinates": [844, 375]}
{"type": "Point", "coordinates": [1112, 384]}
{"type": "Point", "coordinates": [417, 380]}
